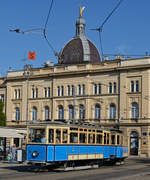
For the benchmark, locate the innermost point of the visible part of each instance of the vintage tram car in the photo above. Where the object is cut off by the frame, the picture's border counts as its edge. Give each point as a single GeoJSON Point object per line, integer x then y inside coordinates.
{"type": "Point", "coordinates": [70, 145]}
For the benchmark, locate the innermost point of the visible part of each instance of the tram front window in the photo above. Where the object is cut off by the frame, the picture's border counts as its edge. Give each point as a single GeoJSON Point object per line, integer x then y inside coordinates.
{"type": "Point", "coordinates": [37, 135]}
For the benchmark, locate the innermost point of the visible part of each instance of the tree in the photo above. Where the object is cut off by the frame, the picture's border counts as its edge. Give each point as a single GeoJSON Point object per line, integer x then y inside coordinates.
{"type": "Point", "coordinates": [2, 114]}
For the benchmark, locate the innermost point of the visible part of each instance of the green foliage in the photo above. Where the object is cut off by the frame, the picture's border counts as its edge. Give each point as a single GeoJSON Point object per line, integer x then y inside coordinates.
{"type": "Point", "coordinates": [2, 114]}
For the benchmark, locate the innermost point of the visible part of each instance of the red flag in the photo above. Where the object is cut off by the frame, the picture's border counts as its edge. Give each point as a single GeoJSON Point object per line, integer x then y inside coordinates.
{"type": "Point", "coordinates": [31, 55]}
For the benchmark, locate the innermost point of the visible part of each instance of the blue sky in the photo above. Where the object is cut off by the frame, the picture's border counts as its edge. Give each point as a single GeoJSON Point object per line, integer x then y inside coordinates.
{"type": "Point", "coordinates": [126, 32]}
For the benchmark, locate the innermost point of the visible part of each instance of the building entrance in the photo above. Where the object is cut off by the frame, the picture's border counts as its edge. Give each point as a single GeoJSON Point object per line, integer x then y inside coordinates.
{"type": "Point", "coordinates": [134, 143]}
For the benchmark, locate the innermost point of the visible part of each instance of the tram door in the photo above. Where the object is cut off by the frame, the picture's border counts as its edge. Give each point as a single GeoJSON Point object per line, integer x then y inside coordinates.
{"type": "Point", "coordinates": [134, 143]}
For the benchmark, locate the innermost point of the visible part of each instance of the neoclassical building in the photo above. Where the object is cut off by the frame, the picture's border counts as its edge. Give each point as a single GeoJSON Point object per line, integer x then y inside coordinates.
{"type": "Point", "coordinates": [82, 87]}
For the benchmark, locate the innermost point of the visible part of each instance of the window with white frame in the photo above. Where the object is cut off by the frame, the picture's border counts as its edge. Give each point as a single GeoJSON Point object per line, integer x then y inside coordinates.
{"type": "Point", "coordinates": [34, 113]}
{"type": "Point", "coordinates": [112, 111]}
{"type": "Point", "coordinates": [17, 114]}
{"type": "Point", "coordinates": [58, 91]}
{"type": "Point", "coordinates": [83, 89]}
{"type": "Point", "coordinates": [110, 88]}
{"type": "Point", "coordinates": [97, 111]}
{"type": "Point", "coordinates": [60, 112]}
{"type": "Point", "coordinates": [71, 112]}
{"type": "Point", "coordinates": [81, 111]}
{"type": "Point", "coordinates": [17, 94]}
{"type": "Point", "coordinates": [46, 91]}
{"type": "Point", "coordinates": [47, 112]}
{"type": "Point", "coordinates": [68, 89]}
{"type": "Point", "coordinates": [135, 110]}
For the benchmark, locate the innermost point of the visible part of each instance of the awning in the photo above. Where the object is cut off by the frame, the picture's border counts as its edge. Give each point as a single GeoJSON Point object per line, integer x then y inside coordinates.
{"type": "Point", "coordinates": [10, 133]}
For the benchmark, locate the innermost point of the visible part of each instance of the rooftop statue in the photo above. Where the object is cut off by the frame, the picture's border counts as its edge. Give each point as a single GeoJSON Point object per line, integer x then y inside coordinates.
{"type": "Point", "coordinates": [81, 10]}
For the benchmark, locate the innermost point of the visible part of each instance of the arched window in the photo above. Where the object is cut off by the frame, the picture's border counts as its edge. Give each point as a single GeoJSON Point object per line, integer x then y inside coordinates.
{"type": "Point", "coordinates": [110, 88]}
{"type": "Point", "coordinates": [97, 111]}
{"type": "Point", "coordinates": [60, 112]}
{"type": "Point", "coordinates": [46, 113]}
{"type": "Point", "coordinates": [112, 111]}
{"type": "Point", "coordinates": [81, 112]}
{"type": "Point", "coordinates": [17, 114]}
{"type": "Point", "coordinates": [135, 110]}
{"type": "Point", "coordinates": [132, 86]}
{"type": "Point", "coordinates": [71, 112]}
{"type": "Point", "coordinates": [34, 113]}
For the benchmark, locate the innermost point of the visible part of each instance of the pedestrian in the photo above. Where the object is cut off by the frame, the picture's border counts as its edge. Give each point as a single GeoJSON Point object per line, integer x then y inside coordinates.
{"type": "Point", "coordinates": [13, 151]}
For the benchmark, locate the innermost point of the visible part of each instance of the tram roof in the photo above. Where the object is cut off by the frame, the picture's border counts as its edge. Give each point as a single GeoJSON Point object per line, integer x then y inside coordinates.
{"type": "Point", "coordinates": [73, 125]}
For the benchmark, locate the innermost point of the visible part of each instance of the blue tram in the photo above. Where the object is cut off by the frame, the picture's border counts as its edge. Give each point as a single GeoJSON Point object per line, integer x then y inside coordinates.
{"type": "Point", "coordinates": [70, 145]}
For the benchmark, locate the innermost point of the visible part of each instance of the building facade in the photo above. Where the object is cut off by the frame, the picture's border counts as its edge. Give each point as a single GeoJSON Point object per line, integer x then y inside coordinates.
{"type": "Point", "coordinates": [81, 87]}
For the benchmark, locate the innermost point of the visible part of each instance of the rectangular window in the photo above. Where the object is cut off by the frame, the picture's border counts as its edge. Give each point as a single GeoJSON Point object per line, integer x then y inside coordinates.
{"type": "Point", "coordinates": [104, 138]}
{"type": "Point", "coordinates": [91, 138]}
{"type": "Point", "coordinates": [73, 137]}
{"type": "Point", "coordinates": [65, 136]}
{"type": "Point", "coordinates": [115, 87]}
{"type": "Point", "coordinates": [99, 139]}
{"type": "Point", "coordinates": [58, 136]}
{"type": "Point", "coordinates": [95, 89]}
{"type": "Point", "coordinates": [73, 91]}
{"type": "Point", "coordinates": [33, 93]}
{"type": "Point", "coordinates": [2, 97]}
{"type": "Point", "coordinates": [58, 91]}
{"type": "Point", "coordinates": [112, 139]}
{"type": "Point", "coordinates": [137, 86]}
{"type": "Point", "coordinates": [36, 92]}
{"type": "Point", "coordinates": [107, 138]}
{"type": "Point", "coordinates": [83, 89]}
{"type": "Point", "coordinates": [99, 89]}
{"type": "Point", "coordinates": [132, 86]}
{"type": "Point", "coordinates": [62, 91]}
{"type": "Point", "coordinates": [79, 90]}
{"type": "Point", "coordinates": [68, 90]}
{"type": "Point", "coordinates": [49, 92]}
{"type": "Point", "coordinates": [15, 94]}
{"type": "Point", "coordinates": [51, 136]}
{"type": "Point", "coordinates": [118, 139]}
{"type": "Point", "coordinates": [45, 92]}
{"type": "Point", "coordinates": [82, 138]}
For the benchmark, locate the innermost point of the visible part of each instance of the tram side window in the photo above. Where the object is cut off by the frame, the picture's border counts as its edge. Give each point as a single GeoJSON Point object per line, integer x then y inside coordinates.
{"type": "Point", "coordinates": [118, 139]}
{"type": "Point", "coordinates": [65, 135]}
{"type": "Point", "coordinates": [73, 137]}
{"type": "Point", "coordinates": [104, 138]}
{"type": "Point", "coordinates": [51, 136]}
{"type": "Point", "coordinates": [112, 139]}
{"type": "Point", "coordinates": [91, 138]}
{"type": "Point", "coordinates": [99, 139]}
{"type": "Point", "coordinates": [58, 136]}
{"type": "Point", "coordinates": [107, 138]}
{"type": "Point", "coordinates": [82, 138]}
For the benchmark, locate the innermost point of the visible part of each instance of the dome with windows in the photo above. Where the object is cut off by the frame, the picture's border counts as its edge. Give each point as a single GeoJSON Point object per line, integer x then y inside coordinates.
{"type": "Point", "coordinates": [79, 49]}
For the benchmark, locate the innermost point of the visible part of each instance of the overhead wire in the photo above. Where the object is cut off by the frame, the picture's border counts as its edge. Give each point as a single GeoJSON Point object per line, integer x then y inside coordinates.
{"type": "Point", "coordinates": [100, 28]}
{"type": "Point", "coordinates": [45, 28]}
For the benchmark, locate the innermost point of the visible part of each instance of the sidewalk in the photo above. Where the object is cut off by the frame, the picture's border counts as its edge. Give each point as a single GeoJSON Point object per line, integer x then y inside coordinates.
{"type": "Point", "coordinates": [8, 163]}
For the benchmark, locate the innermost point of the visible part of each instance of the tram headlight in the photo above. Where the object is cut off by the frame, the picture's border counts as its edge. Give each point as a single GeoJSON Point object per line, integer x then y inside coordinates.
{"type": "Point", "coordinates": [35, 154]}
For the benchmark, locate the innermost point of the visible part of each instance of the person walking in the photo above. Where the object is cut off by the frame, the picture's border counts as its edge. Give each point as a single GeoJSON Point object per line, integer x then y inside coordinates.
{"type": "Point", "coordinates": [13, 151]}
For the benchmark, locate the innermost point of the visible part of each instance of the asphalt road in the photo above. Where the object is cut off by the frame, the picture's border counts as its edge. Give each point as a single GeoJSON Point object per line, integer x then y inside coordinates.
{"type": "Point", "coordinates": [133, 169]}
